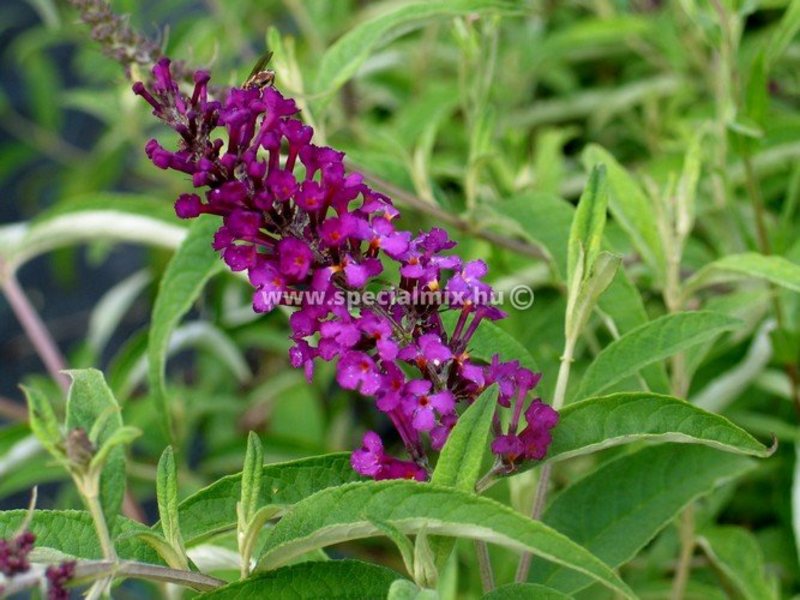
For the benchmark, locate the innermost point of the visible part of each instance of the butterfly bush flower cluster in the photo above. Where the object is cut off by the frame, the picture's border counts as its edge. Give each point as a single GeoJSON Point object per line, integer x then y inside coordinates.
{"type": "Point", "coordinates": [296, 221]}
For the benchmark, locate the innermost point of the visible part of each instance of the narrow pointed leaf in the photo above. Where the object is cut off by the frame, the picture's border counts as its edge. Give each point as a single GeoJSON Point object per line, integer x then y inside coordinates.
{"type": "Point", "coordinates": [342, 60]}
{"type": "Point", "coordinates": [620, 507]}
{"type": "Point", "coordinates": [61, 229]}
{"type": "Point", "coordinates": [736, 553]}
{"type": "Point", "coordinates": [630, 207]}
{"type": "Point", "coordinates": [651, 342]}
{"type": "Point", "coordinates": [404, 545]}
{"type": "Point", "coordinates": [251, 477]}
{"type": "Point", "coordinates": [622, 302]}
{"type": "Point", "coordinates": [597, 423]}
{"type": "Point", "coordinates": [461, 458]}
{"type": "Point", "coordinates": [192, 265]}
{"type": "Point", "coordinates": [121, 437]}
{"type": "Point", "coordinates": [43, 422]}
{"type": "Point", "coordinates": [774, 269]}
{"type": "Point", "coordinates": [167, 495]}
{"type": "Point", "coordinates": [342, 513]}
{"type": "Point", "coordinates": [164, 549]}
{"type": "Point", "coordinates": [90, 399]}
{"type": "Point", "coordinates": [588, 223]}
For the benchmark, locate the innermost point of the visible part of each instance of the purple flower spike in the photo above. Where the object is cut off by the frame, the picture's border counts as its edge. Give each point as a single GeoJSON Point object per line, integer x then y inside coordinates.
{"type": "Point", "coordinates": [310, 234]}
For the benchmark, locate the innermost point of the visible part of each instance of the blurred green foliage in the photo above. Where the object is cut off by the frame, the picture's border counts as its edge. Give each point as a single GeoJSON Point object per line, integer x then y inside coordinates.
{"type": "Point", "coordinates": [486, 123]}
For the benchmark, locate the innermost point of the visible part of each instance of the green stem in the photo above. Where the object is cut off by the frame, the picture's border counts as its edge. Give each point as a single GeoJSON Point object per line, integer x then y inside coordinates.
{"type": "Point", "coordinates": [88, 571]}
{"type": "Point", "coordinates": [100, 525]}
{"type": "Point", "coordinates": [485, 566]}
{"type": "Point", "coordinates": [559, 396]}
{"type": "Point", "coordinates": [685, 559]}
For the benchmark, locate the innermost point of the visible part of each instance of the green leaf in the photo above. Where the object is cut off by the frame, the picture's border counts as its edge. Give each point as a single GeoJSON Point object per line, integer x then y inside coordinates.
{"type": "Point", "coordinates": [425, 572]}
{"type": "Point", "coordinates": [784, 34]}
{"type": "Point", "coordinates": [192, 265]}
{"type": "Point", "coordinates": [404, 545]}
{"type": "Point", "coordinates": [686, 196]}
{"type": "Point", "coordinates": [597, 423]}
{"type": "Point", "coordinates": [167, 495]}
{"type": "Point", "coordinates": [489, 339]}
{"type": "Point", "coordinates": [251, 477]}
{"type": "Point", "coordinates": [775, 269]}
{"type": "Point", "coordinates": [342, 60]}
{"type": "Point", "coordinates": [461, 458]}
{"type": "Point", "coordinates": [403, 589]}
{"type": "Point", "coordinates": [544, 219]}
{"type": "Point", "coordinates": [213, 509]}
{"type": "Point", "coordinates": [525, 591]}
{"type": "Point", "coordinates": [109, 312]}
{"type": "Point", "coordinates": [649, 343]}
{"type": "Point", "coordinates": [623, 304]}
{"type": "Point", "coordinates": [586, 233]}
{"type": "Point", "coordinates": [342, 513]}
{"type": "Point", "coordinates": [583, 297]}
{"type": "Point", "coordinates": [89, 400]}
{"type": "Point", "coordinates": [174, 558]}
{"type": "Point", "coordinates": [23, 242]}
{"type": "Point", "coordinates": [72, 532]}
{"type": "Point", "coordinates": [630, 207]}
{"type": "Point", "coordinates": [735, 552]}
{"type": "Point", "coordinates": [44, 424]}
{"type": "Point", "coordinates": [121, 437]}
{"type": "Point", "coordinates": [332, 580]}
{"type": "Point", "coordinates": [621, 506]}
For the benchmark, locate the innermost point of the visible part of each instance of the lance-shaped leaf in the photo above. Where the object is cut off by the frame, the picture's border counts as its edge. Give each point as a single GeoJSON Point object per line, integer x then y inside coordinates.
{"type": "Point", "coordinates": [598, 423]}
{"type": "Point", "coordinates": [190, 268]}
{"type": "Point", "coordinates": [461, 458]}
{"type": "Point", "coordinates": [621, 506]}
{"type": "Point", "coordinates": [342, 60]}
{"type": "Point", "coordinates": [343, 513]}
{"type": "Point", "coordinates": [630, 207]}
{"type": "Point", "coordinates": [167, 495]}
{"type": "Point", "coordinates": [61, 228]}
{"type": "Point", "coordinates": [586, 233]}
{"type": "Point", "coordinates": [334, 580]}
{"type": "Point", "coordinates": [736, 554]}
{"type": "Point", "coordinates": [44, 423]}
{"type": "Point", "coordinates": [622, 302]}
{"type": "Point", "coordinates": [775, 269]}
{"type": "Point", "coordinates": [251, 479]}
{"type": "Point", "coordinates": [649, 343]}
{"type": "Point", "coordinates": [213, 509]}
{"type": "Point", "coordinates": [92, 407]}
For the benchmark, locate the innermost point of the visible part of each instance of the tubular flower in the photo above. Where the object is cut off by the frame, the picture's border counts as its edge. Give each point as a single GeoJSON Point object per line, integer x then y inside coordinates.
{"type": "Point", "coordinates": [301, 226]}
